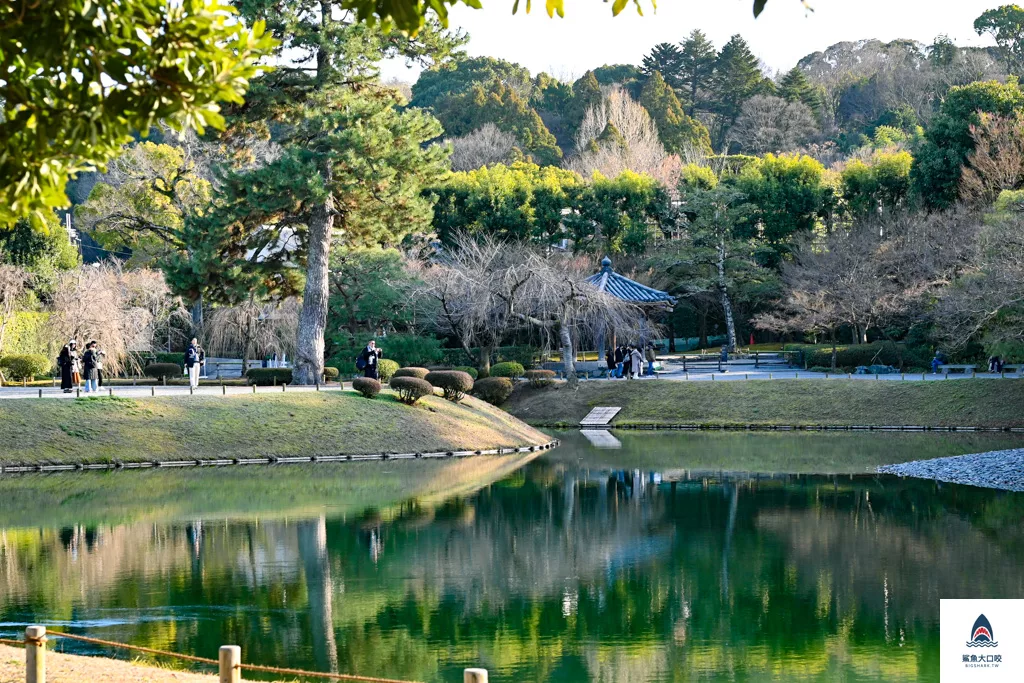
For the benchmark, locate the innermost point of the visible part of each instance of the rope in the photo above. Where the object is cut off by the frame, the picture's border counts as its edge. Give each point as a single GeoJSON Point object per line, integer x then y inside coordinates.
{"type": "Point", "coordinates": [213, 662]}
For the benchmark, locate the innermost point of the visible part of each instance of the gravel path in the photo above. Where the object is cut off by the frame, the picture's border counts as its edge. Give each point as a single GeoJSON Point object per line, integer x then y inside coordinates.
{"type": "Point", "coordinates": [61, 668]}
{"type": "Point", "coordinates": [994, 470]}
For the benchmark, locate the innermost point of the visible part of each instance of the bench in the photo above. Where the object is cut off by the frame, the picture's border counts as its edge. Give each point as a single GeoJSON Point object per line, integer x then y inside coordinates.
{"type": "Point", "coordinates": [945, 368]}
{"type": "Point", "coordinates": [1013, 369]}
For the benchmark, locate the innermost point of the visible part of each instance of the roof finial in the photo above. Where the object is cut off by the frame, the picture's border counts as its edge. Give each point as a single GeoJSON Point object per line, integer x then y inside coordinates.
{"type": "Point", "coordinates": [606, 264]}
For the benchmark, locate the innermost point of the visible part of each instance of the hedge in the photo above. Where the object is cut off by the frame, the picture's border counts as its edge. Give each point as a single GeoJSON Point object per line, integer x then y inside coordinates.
{"type": "Point", "coordinates": [160, 371]}
{"type": "Point", "coordinates": [411, 389]}
{"type": "Point", "coordinates": [177, 358]}
{"type": "Point", "coordinates": [25, 366]}
{"type": "Point", "coordinates": [386, 369]}
{"type": "Point", "coordinates": [510, 369]}
{"type": "Point", "coordinates": [876, 353]}
{"type": "Point", "coordinates": [331, 373]}
{"type": "Point", "coordinates": [524, 355]}
{"type": "Point", "coordinates": [418, 373]}
{"type": "Point", "coordinates": [539, 378]}
{"type": "Point", "coordinates": [367, 386]}
{"type": "Point", "coordinates": [263, 377]}
{"type": "Point", "coordinates": [455, 383]}
{"type": "Point", "coordinates": [494, 390]}
{"type": "Point", "coordinates": [471, 371]}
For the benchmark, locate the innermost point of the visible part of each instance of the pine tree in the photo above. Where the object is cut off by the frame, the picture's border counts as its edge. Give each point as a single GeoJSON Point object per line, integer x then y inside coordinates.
{"type": "Point", "coordinates": [696, 70]}
{"type": "Point", "coordinates": [351, 163]}
{"type": "Point", "coordinates": [794, 87]}
{"type": "Point", "coordinates": [677, 131]}
{"type": "Point", "coordinates": [586, 93]}
{"type": "Point", "coordinates": [665, 59]}
{"type": "Point", "coordinates": [737, 78]}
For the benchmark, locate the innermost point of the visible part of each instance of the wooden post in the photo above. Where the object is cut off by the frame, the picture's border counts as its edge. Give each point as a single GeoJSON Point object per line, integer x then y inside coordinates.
{"type": "Point", "coordinates": [318, 386]}
{"type": "Point", "coordinates": [223, 389]}
{"type": "Point", "coordinates": [40, 393]}
{"type": "Point", "coordinates": [282, 388]}
{"type": "Point", "coordinates": [474, 676]}
{"type": "Point", "coordinates": [78, 391]}
{"type": "Point", "coordinates": [230, 664]}
{"type": "Point", "coordinates": [110, 391]}
{"type": "Point", "coordinates": [35, 654]}
{"type": "Point", "coordinates": [165, 380]}
{"type": "Point", "coordinates": [254, 388]}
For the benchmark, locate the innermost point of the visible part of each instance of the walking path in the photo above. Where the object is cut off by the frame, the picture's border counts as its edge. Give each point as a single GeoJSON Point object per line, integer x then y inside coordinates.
{"type": "Point", "coordinates": [674, 371]}
{"type": "Point", "coordinates": [127, 391]}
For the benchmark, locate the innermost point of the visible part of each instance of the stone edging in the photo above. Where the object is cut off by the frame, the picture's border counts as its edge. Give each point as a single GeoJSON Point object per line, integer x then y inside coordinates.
{"type": "Point", "coordinates": [268, 460]}
{"type": "Point", "coordinates": [770, 428]}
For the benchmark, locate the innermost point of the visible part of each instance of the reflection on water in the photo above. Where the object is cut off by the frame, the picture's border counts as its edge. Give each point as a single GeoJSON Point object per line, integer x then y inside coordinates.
{"type": "Point", "coordinates": [565, 569]}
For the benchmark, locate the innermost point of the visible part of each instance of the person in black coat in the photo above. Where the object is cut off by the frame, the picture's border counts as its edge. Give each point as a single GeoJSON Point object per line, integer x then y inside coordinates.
{"type": "Point", "coordinates": [66, 362]}
{"type": "Point", "coordinates": [620, 356]}
{"type": "Point", "coordinates": [90, 363]}
{"type": "Point", "coordinates": [368, 360]}
{"type": "Point", "coordinates": [609, 359]}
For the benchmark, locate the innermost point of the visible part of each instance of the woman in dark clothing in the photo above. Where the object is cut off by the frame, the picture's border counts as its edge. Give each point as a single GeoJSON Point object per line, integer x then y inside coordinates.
{"type": "Point", "coordinates": [90, 359]}
{"type": "Point", "coordinates": [66, 360]}
{"type": "Point", "coordinates": [368, 360]}
{"type": "Point", "coordinates": [609, 359]}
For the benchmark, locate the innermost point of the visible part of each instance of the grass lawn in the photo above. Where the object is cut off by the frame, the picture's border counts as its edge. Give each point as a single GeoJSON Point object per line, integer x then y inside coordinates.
{"type": "Point", "coordinates": [972, 403]}
{"type": "Point", "coordinates": [100, 429]}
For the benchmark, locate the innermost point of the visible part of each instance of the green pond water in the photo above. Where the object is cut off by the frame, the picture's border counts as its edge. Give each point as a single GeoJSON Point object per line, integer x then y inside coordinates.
{"type": "Point", "coordinates": [666, 557]}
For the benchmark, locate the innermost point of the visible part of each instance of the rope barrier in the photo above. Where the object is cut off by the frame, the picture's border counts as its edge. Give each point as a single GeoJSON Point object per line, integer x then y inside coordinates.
{"type": "Point", "coordinates": [212, 662]}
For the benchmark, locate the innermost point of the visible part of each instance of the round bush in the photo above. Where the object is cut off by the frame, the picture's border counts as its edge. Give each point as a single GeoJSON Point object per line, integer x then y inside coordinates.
{"type": "Point", "coordinates": [418, 373]}
{"type": "Point", "coordinates": [367, 386]}
{"type": "Point", "coordinates": [539, 378]}
{"type": "Point", "coordinates": [411, 389]}
{"type": "Point", "coordinates": [264, 377]}
{"type": "Point", "coordinates": [386, 369]}
{"type": "Point", "coordinates": [331, 374]}
{"type": "Point", "coordinates": [455, 383]}
{"type": "Point", "coordinates": [25, 366]}
{"type": "Point", "coordinates": [494, 390]}
{"type": "Point", "coordinates": [510, 369]}
{"type": "Point", "coordinates": [160, 371]}
{"type": "Point", "coordinates": [472, 372]}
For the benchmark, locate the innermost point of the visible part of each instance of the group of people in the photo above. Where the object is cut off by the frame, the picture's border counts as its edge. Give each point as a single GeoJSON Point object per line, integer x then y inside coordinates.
{"type": "Point", "coordinates": [75, 366]}
{"type": "Point", "coordinates": [628, 361]}
{"type": "Point", "coordinates": [995, 364]}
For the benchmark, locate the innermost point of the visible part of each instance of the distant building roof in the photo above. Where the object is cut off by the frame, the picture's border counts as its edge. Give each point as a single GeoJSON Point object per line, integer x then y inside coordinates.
{"type": "Point", "coordinates": [622, 287]}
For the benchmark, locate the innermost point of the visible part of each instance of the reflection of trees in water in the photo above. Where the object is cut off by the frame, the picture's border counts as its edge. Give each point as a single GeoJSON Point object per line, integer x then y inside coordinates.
{"type": "Point", "coordinates": [554, 574]}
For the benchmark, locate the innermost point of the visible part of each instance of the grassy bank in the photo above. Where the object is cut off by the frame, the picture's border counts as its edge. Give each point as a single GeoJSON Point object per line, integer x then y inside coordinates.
{"type": "Point", "coordinates": [978, 403]}
{"type": "Point", "coordinates": [208, 427]}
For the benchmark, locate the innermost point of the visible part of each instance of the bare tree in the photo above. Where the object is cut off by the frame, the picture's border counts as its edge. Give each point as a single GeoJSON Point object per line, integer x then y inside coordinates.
{"type": "Point", "coordinates": [12, 286]}
{"type": "Point", "coordinates": [997, 162]}
{"type": "Point", "coordinates": [771, 124]}
{"type": "Point", "coordinates": [484, 146]}
{"type": "Point", "coordinates": [254, 328]}
{"type": "Point", "coordinates": [487, 289]}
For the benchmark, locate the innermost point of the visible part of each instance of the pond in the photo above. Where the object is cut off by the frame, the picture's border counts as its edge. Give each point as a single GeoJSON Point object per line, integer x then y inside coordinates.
{"type": "Point", "coordinates": [676, 556]}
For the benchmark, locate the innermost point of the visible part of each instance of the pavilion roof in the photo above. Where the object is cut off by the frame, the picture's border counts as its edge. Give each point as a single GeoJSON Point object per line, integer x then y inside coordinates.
{"type": "Point", "coordinates": [621, 287]}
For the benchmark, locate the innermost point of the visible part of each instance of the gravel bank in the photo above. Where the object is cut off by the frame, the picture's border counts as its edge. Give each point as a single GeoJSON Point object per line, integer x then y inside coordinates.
{"type": "Point", "coordinates": [994, 470]}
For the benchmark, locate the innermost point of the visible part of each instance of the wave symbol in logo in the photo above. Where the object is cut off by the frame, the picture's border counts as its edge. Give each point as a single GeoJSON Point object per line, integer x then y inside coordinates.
{"type": "Point", "coordinates": [982, 634]}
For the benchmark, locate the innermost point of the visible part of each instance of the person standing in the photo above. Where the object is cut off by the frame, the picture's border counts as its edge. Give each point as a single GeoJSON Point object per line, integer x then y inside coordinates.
{"type": "Point", "coordinates": [609, 360]}
{"type": "Point", "coordinates": [367, 360]}
{"type": "Point", "coordinates": [620, 357]}
{"type": "Point", "coordinates": [100, 356]}
{"type": "Point", "coordinates": [651, 357]}
{"type": "Point", "coordinates": [636, 365]}
{"type": "Point", "coordinates": [193, 362]}
{"type": "Point", "coordinates": [89, 359]}
{"type": "Point", "coordinates": [66, 362]}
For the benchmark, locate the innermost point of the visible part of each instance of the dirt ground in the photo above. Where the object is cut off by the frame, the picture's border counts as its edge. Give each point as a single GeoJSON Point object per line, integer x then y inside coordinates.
{"type": "Point", "coordinates": [62, 668]}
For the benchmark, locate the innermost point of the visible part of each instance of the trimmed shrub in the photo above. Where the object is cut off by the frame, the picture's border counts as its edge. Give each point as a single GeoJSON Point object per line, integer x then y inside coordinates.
{"type": "Point", "coordinates": [494, 390]}
{"type": "Point", "coordinates": [25, 366]}
{"type": "Point", "coordinates": [472, 372]}
{"type": "Point", "coordinates": [539, 378]}
{"type": "Point", "coordinates": [331, 374]}
{"type": "Point", "coordinates": [418, 373]}
{"type": "Point", "coordinates": [160, 371]}
{"type": "Point", "coordinates": [510, 369]}
{"type": "Point", "coordinates": [875, 353]}
{"type": "Point", "coordinates": [411, 389]}
{"type": "Point", "coordinates": [264, 377]}
{"type": "Point", "coordinates": [454, 383]}
{"type": "Point", "coordinates": [386, 369]}
{"type": "Point", "coordinates": [367, 386]}
{"type": "Point", "coordinates": [177, 358]}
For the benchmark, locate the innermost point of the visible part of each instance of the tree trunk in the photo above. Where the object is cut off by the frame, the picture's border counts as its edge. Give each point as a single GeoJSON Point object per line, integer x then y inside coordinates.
{"type": "Point", "coordinates": [702, 327]}
{"type": "Point", "coordinates": [485, 360]}
{"type": "Point", "coordinates": [671, 335]}
{"type": "Point", "coordinates": [309, 349]}
{"type": "Point", "coordinates": [197, 316]}
{"type": "Point", "coordinates": [568, 364]}
{"type": "Point", "coordinates": [730, 324]}
{"type": "Point", "coordinates": [834, 350]}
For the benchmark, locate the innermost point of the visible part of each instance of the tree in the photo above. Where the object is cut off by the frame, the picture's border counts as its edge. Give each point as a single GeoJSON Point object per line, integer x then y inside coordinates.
{"type": "Point", "coordinates": [457, 77]}
{"type": "Point", "coordinates": [13, 281]}
{"type": "Point", "coordinates": [697, 70]}
{"type": "Point", "coordinates": [679, 133]}
{"type": "Point", "coordinates": [939, 161]}
{"type": "Point", "coordinates": [485, 146]}
{"type": "Point", "coordinates": [501, 105]}
{"type": "Point", "coordinates": [881, 186]}
{"type": "Point", "coordinates": [253, 328]}
{"type": "Point", "coordinates": [997, 161]}
{"type": "Point", "coordinates": [68, 108]}
{"type": "Point", "coordinates": [371, 290]}
{"type": "Point", "coordinates": [628, 76]}
{"type": "Point", "coordinates": [737, 78]}
{"type": "Point", "coordinates": [1006, 25]}
{"type": "Point", "coordinates": [772, 124]}
{"type": "Point", "coordinates": [42, 254]}
{"type": "Point", "coordinates": [351, 163]}
{"type": "Point", "coordinates": [619, 215]}
{"type": "Point", "coordinates": [586, 94]}
{"type": "Point", "coordinates": [794, 87]}
{"type": "Point", "coordinates": [666, 60]}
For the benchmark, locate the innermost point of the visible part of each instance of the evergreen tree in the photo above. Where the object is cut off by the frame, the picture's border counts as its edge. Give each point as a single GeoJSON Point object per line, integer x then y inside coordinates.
{"type": "Point", "coordinates": [586, 93]}
{"type": "Point", "coordinates": [696, 70]}
{"type": "Point", "coordinates": [667, 60]}
{"type": "Point", "coordinates": [677, 131]}
{"type": "Point", "coordinates": [794, 87]}
{"type": "Point", "coordinates": [350, 163]}
{"type": "Point", "coordinates": [737, 78]}
{"type": "Point", "coordinates": [449, 79]}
